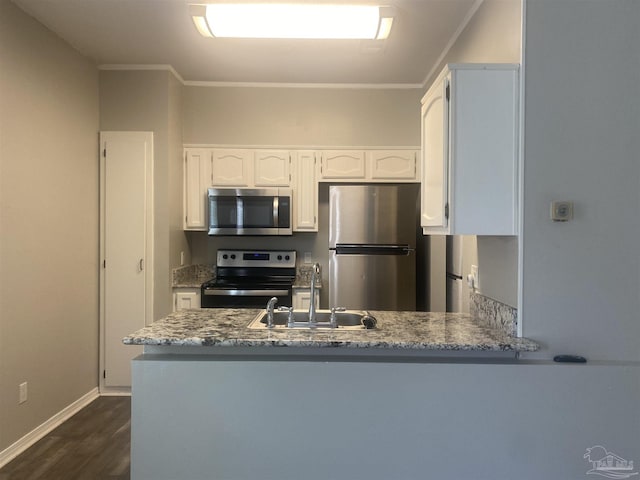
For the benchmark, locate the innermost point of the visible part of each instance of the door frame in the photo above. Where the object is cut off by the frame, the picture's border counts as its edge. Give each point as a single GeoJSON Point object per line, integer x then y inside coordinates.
{"type": "Point", "coordinates": [149, 250]}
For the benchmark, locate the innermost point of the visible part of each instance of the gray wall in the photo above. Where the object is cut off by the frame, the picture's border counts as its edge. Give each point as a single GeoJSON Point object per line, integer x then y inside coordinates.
{"type": "Point", "coordinates": [581, 278]}
{"type": "Point", "coordinates": [301, 116]}
{"type": "Point", "coordinates": [151, 101]}
{"type": "Point", "coordinates": [48, 224]}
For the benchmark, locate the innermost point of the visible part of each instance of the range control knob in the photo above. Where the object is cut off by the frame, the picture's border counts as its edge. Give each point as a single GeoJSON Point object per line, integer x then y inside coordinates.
{"type": "Point", "coordinates": [225, 256]}
{"type": "Point", "coordinates": [233, 256]}
{"type": "Point", "coordinates": [287, 257]}
{"type": "Point", "coordinates": [279, 257]}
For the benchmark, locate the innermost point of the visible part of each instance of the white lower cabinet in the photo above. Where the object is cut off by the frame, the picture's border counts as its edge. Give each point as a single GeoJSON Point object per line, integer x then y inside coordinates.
{"type": "Point", "coordinates": [184, 298]}
{"type": "Point", "coordinates": [302, 298]}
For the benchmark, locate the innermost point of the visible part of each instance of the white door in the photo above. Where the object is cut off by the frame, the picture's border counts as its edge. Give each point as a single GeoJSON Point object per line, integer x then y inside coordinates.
{"type": "Point", "coordinates": [126, 226]}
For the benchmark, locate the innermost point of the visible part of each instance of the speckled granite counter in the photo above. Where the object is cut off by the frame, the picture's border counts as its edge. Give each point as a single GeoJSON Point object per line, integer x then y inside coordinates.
{"type": "Point", "coordinates": [395, 330]}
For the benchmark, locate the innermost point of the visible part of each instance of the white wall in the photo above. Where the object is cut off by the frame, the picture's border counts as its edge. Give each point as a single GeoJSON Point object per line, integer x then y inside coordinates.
{"type": "Point", "coordinates": [581, 278]}
{"type": "Point", "coordinates": [48, 224]}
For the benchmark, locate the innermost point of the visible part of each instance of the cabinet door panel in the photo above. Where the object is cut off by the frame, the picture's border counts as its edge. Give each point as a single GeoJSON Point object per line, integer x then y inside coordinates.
{"type": "Point", "coordinates": [231, 167]}
{"type": "Point", "coordinates": [348, 164]}
{"type": "Point", "coordinates": [305, 201]}
{"type": "Point", "coordinates": [197, 177]}
{"type": "Point", "coordinates": [271, 168]}
{"type": "Point", "coordinates": [434, 152]}
{"type": "Point", "coordinates": [393, 164]}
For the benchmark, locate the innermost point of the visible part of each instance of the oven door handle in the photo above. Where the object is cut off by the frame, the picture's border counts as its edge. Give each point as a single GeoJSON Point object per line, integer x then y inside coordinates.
{"type": "Point", "coordinates": [243, 293]}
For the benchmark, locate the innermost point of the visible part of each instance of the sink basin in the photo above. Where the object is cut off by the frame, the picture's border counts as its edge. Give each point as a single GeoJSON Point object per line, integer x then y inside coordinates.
{"type": "Point", "coordinates": [347, 320]}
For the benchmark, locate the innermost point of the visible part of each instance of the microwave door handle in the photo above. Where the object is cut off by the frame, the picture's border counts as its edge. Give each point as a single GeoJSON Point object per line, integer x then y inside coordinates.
{"type": "Point", "coordinates": [276, 205]}
{"type": "Point", "coordinates": [239, 212]}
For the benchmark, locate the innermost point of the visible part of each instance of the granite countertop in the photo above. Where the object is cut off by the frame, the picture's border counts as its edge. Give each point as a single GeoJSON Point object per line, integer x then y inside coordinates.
{"type": "Point", "coordinates": [395, 330]}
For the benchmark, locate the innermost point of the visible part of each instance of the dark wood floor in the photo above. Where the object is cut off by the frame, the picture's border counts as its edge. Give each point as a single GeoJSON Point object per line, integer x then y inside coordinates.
{"type": "Point", "coordinates": [94, 444]}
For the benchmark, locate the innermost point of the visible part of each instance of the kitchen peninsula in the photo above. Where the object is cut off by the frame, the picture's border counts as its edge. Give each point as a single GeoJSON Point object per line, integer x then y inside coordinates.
{"type": "Point", "coordinates": [212, 398]}
{"type": "Point", "coordinates": [396, 333]}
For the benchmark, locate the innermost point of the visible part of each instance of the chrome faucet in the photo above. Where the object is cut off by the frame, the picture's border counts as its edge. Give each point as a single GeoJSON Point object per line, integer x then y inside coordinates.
{"type": "Point", "coordinates": [315, 277]}
{"type": "Point", "coordinates": [271, 305]}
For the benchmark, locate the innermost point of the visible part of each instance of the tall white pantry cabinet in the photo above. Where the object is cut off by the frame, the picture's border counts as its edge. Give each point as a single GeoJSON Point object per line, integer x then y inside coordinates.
{"type": "Point", "coordinates": [470, 151]}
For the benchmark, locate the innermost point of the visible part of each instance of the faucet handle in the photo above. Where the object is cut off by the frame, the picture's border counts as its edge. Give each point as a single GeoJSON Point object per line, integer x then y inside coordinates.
{"type": "Point", "coordinates": [333, 321]}
{"type": "Point", "coordinates": [290, 319]}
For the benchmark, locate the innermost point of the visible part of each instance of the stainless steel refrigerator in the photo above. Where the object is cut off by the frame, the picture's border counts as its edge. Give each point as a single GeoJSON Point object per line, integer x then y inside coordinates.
{"type": "Point", "coordinates": [372, 239]}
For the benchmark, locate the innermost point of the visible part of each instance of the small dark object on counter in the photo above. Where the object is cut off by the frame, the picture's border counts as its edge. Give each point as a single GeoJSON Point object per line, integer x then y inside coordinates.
{"type": "Point", "coordinates": [569, 359]}
{"type": "Point", "coordinates": [369, 322]}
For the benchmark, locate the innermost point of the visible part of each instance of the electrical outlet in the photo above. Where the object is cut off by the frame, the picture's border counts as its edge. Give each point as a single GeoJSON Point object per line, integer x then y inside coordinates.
{"type": "Point", "coordinates": [22, 392]}
{"type": "Point", "coordinates": [307, 257]}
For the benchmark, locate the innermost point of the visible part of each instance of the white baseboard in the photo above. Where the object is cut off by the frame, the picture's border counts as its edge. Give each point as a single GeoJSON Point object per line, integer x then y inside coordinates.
{"type": "Point", "coordinates": [36, 434]}
{"type": "Point", "coordinates": [115, 392]}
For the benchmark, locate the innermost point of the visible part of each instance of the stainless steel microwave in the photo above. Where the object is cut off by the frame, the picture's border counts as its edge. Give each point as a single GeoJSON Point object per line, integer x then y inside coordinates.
{"type": "Point", "coordinates": [250, 211]}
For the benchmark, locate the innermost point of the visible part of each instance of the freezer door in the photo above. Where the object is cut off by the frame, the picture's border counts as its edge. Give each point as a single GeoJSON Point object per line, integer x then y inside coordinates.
{"type": "Point", "coordinates": [372, 214]}
{"type": "Point", "coordinates": [372, 282]}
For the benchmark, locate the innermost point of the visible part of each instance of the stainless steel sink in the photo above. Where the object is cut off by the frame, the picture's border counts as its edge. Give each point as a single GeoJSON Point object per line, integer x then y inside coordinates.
{"type": "Point", "coordinates": [347, 320]}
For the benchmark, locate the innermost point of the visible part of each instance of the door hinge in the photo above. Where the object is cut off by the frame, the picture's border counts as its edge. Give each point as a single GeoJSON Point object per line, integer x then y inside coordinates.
{"type": "Point", "coordinates": [104, 152]}
{"type": "Point", "coordinates": [104, 264]}
{"type": "Point", "coordinates": [104, 374]}
{"type": "Point", "coordinates": [446, 210]}
{"type": "Point", "coordinates": [447, 92]}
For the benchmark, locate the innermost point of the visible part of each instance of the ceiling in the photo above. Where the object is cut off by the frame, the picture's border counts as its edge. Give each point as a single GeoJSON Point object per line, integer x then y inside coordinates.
{"type": "Point", "coordinates": [160, 32]}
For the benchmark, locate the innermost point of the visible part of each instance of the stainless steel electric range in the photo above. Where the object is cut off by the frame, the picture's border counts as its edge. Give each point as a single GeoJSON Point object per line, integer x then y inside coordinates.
{"type": "Point", "coordinates": [249, 278]}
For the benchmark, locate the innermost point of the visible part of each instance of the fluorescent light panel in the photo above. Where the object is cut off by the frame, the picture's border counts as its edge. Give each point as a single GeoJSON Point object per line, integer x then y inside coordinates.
{"type": "Point", "coordinates": [293, 21]}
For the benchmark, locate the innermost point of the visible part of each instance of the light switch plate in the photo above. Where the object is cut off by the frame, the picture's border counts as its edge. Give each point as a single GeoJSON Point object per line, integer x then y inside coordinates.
{"type": "Point", "coordinates": [561, 211]}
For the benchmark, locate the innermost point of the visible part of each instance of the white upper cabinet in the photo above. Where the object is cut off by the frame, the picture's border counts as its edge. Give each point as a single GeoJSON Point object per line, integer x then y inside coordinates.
{"type": "Point", "coordinates": [305, 191]}
{"type": "Point", "coordinates": [343, 164]}
{"type": "Point", "coordinates": [375, 166]}
{"type": "Point", "coordinates": [470, 151]}
{"type": "Point", "coordinates": [272, 168]}
{"type": "Point", "coordinates": [392, 164]}
{"type": "Point", "coordinates": [197, 178]}
{"type": "Point", "coordinates": [232, 167]}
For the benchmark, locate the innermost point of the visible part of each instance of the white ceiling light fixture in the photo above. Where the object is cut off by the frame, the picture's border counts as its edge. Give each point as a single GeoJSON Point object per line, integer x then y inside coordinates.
{"type": "Point", "coordinates": [305, 21]}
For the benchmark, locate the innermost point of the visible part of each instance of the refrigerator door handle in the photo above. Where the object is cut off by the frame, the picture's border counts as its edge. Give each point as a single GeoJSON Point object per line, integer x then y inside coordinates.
{"type": "Point", "coordinates": [360, 249]}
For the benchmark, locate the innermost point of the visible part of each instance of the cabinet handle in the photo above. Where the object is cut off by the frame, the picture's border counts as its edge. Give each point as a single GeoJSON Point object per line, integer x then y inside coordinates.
{"type": "Point", "coordinates": [141, 263]}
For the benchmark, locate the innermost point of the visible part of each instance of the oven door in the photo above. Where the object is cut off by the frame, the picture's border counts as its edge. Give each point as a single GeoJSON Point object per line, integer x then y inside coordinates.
{"type": "Point", "coordinates": [249, 211]}
{"type": "Point", "coordinates": [243, 297]}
